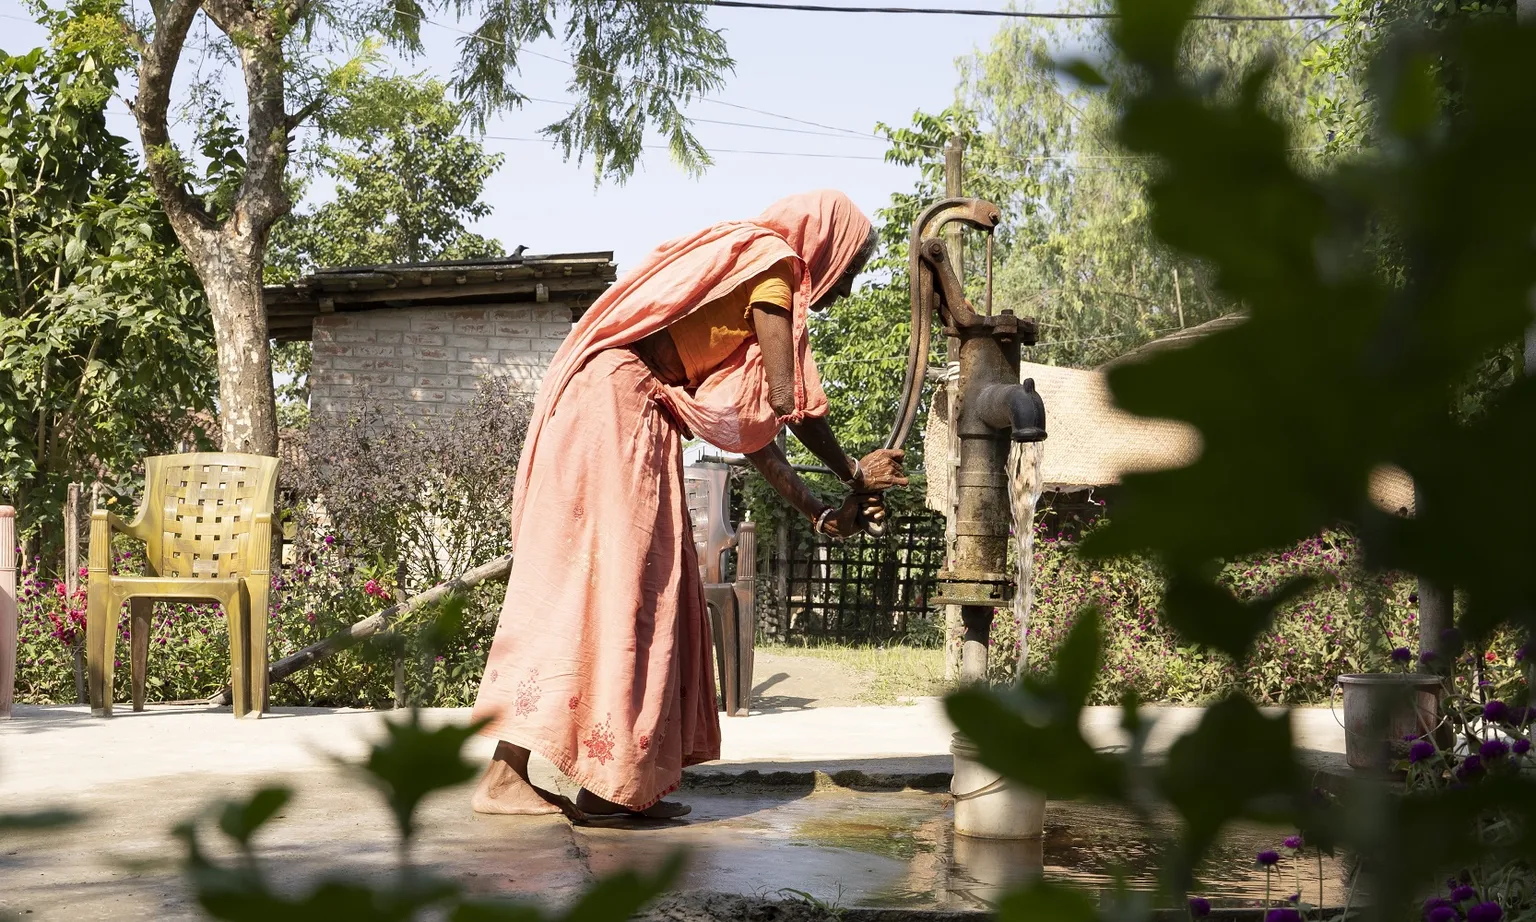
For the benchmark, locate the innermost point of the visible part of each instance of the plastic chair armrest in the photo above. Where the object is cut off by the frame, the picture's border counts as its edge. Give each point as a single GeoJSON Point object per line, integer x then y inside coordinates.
{"type": "Point", "coordinates": [260, 548]}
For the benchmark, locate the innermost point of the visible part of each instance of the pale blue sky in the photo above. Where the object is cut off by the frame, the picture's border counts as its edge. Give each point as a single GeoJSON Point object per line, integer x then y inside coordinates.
{"type": "Point", "coordinates": [849, 71]}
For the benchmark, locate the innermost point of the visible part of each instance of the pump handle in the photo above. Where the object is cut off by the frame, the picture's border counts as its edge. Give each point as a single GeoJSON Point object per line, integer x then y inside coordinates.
{"type": "Point", "coordinates": [926, 298]}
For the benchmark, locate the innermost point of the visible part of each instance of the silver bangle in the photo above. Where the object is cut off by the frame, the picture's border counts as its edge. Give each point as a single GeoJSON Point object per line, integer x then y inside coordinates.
{"type": "Point", "coordinates": [821, 521]}
{"type": "Point", "coordinates": [853, 478]}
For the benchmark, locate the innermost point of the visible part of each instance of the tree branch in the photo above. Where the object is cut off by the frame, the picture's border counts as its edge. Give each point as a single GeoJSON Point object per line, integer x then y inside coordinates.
{"type": "Point", "coordinates": [310, 108]}
{"type": "Point", "coordinates": [131, 34]}
{"type": "Point", "coordinates": [157, 73]}
{"type": "Point", "coordinates": [494, 570]}
{"type": "Point", "coordinates": [258, 37]}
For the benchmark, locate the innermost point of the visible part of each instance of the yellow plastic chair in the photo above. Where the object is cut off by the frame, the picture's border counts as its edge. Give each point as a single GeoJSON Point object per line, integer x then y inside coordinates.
{"type": "Point", "coordinates": [206, 524]}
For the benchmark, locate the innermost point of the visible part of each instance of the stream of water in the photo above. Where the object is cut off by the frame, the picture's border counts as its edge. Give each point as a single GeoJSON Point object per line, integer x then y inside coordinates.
{"type": "Point", "coordinates": [1024, 486]}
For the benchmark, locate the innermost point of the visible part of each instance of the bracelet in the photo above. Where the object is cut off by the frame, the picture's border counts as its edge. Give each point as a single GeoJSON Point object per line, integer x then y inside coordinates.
{"type": "Point", "coordinates": [821, 521]}
{"type": "Point", "coordinates": [858, 473]}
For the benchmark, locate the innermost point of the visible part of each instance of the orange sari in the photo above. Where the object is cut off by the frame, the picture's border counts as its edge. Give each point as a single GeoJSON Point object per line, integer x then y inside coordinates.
{"type": "Point", "coordinates": [602, 660]}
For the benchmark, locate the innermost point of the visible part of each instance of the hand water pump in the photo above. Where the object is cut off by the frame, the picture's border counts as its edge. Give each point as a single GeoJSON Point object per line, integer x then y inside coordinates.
{"type": "Point", "coordinates": [993, 408]}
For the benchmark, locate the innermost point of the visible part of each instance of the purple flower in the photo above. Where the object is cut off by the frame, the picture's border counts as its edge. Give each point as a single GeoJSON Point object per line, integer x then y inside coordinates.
{"type": "Point", "coordinates": [1402, 655]}
{"type": "Point", "coordinates": [1470, 768]}
{"type": "Point", "coordinates": [1437, 902]}
{"type": "Point", "coordinates": [1199, 907]}
{"type": "Point", "coordinates": [329, 540]}
{"type": "Point", "coordinates": [1268, 859]}
{"type": "Point", "coordinates": [1522, 747]}
{"type": "Point", "coordinates": [1440, 914]}
{"type": "Point", "coordinates": [1420, 751]}
{"type": "Point", "coordinates": [1292, 842]}
{"type": "Point", "coordinates": [1282, 915]}
{"type": "Point", "coordinates": [1462, 894]}
{"type": "Point", "coordinates": [1493, 749]}
{"type": "Point", "coordinates": [1485, 912]}
{"type": "Point", "coordinates": [1427, 657]}
{"type": "Point", "coordinates": [1496, 711]}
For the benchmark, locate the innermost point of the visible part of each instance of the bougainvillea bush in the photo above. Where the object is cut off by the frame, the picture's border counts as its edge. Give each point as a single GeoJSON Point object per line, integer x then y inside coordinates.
{"type": "Point", "coordinates": [1328, 632]}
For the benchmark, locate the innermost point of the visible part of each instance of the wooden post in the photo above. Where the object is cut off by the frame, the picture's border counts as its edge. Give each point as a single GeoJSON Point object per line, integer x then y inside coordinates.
{"type": "Point", "coordinates": [72, 573]}
{"type": "Point", "coordinates": [7, 611]}
{"type": "Point", "coordinates": [781, 566]}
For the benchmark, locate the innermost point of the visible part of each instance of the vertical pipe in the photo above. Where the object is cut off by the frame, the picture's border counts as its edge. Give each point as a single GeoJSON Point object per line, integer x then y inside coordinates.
{"type": "Point", "coordinates": [978, 633]}
{"type": "Point", "coordinates": [7, 611]}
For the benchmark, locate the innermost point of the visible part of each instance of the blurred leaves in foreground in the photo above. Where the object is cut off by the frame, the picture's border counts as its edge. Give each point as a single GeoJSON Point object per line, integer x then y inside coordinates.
{"type": "Point", "coordinates": [1350, 361]}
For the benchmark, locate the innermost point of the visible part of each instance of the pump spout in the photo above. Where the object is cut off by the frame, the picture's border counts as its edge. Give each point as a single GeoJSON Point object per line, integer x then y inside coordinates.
{"type": "Point", "coordinates": [1014, 407]}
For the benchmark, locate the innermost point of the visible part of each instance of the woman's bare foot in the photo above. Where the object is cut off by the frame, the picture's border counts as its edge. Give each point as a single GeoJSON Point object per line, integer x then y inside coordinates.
{"type": "Point", "coordinates": [592, 805]}
{"type": "Point", "coordinates": [505, 788]}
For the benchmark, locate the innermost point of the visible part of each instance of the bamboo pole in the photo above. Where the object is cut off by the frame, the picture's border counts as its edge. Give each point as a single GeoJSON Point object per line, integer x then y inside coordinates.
{"type": "Point", "coordinates": [373, 624]}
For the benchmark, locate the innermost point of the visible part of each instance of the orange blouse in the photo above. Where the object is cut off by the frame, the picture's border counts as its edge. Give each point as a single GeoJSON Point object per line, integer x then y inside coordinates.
{"type": "Point", "coordinates": [709, 335]}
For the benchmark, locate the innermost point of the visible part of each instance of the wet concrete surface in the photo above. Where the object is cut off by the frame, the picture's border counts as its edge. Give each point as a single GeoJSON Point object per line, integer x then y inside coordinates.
{"type": "Point", "coordinates": [842, 809]}
{"type": "Point", "coordinates": [830, 847]}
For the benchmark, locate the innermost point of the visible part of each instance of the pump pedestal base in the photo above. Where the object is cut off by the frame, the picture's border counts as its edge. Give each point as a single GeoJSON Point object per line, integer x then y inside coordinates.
{"type": "Point", "coordinates": [989, 806]}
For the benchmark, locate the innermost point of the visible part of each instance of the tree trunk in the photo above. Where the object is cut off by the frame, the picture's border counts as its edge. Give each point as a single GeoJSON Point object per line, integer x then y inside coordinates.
{"type": "Point", "coordinates": [231, 276]}
{"type": "Point", "coordinates": [228, 253]}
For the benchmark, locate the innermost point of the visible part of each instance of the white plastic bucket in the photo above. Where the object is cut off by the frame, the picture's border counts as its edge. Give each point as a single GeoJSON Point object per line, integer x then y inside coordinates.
{"type": "Point", "coordinates": [989, 806]}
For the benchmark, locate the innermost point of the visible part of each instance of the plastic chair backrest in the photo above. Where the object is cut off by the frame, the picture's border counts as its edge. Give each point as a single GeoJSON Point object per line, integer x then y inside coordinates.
{"type": "Point", "coordinates": [708, 495]}
{"type": "Point", "coordinates": [199, 508]}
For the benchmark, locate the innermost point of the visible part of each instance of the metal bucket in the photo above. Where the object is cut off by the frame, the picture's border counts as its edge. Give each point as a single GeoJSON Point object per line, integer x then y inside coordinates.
{"type": "Point", "coordinates": [1380, 709]}
{"type": "Point", "coordinates": [989, 806]}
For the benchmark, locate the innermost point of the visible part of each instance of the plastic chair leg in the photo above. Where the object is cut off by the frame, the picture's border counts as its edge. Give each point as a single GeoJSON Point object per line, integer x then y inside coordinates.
{"type": "Point", "coordinates": [140, 620]}
{"type": "Point", "coordinates": [237, 613]}
{"type": "Point", "coordinates": [100, 632]}
{"type": "Point", "coordinates": [259, 588]}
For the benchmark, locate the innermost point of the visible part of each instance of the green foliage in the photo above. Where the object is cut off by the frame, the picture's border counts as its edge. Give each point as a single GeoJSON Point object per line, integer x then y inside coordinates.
{"type": "Point", "coordinates": [407, 183]}
{"type": "Point", "coordinates": [411, 763]}
{"type": "Point", "coordinates": [1349, 621]}
{"type": "Point", "coordinates": [638, 65]}
{"type": "Point", "coordinates": [106, 351]}
{"type": "Point", "coordinates": [1339, 369]}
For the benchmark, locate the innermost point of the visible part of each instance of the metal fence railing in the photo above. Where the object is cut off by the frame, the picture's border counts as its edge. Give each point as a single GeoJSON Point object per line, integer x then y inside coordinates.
{"type": "Point", "coordinates": [863, 590]}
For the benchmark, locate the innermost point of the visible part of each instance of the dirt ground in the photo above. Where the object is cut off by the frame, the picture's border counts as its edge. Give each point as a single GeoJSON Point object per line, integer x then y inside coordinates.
{"type": "Point", "coordinates": [795, 678]}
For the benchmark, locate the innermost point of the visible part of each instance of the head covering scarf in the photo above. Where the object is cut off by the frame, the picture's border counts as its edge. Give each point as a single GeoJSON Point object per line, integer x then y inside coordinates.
{"type": "Point", "coordinates": [820, 232]}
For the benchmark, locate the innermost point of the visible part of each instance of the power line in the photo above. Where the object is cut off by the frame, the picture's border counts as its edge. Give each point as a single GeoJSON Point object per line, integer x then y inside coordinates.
{"type": "Point", "coordinates": [711, 150]}
{"type": "Point", "coordinates": [995, 14]}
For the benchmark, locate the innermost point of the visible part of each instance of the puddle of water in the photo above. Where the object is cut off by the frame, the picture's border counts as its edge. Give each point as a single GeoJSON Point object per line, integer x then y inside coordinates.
{"type": "Point", "coordinates": [899, 850]}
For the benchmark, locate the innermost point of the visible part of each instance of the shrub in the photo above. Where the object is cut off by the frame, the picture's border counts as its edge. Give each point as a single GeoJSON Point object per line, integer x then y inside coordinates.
{"type": "Point", "coordinates": [1313, 640]}
{"type": "Point", "coordinates": [377, 508]}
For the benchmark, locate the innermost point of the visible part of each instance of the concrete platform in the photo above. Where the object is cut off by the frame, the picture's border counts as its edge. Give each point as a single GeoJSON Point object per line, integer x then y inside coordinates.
{"type": "Point", "coordinates": [770, 818]}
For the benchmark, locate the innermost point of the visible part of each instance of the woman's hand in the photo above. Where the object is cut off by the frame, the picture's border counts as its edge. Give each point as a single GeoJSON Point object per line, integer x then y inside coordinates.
{"type": "Point", "coordinates": [857, 510]}
{"type": "Point", "coordinates": [880, 470]}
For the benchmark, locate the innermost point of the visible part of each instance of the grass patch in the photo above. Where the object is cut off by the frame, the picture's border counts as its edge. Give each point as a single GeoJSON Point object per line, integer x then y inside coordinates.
{"type": "Point", "coordinates": [888, 673]}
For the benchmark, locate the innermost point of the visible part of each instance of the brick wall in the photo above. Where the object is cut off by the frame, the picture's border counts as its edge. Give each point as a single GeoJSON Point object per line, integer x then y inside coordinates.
{"type": "Point", "coordinates": [427, 361]}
